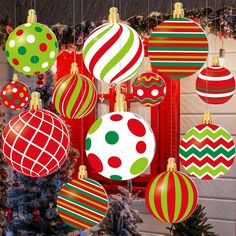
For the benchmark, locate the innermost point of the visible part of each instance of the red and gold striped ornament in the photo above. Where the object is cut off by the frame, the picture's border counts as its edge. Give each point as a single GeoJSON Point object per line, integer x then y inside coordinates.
{"type": "Point", "coordinates": [74, 95]}
{"type": "Point", "coordinates": [215, 84]}
{"type": "Point", "coordinates": [178, 47]}
{"type": "Point", "coordinates": [171, 196]}
{"type": "Point", "coordinates": [82, 203]}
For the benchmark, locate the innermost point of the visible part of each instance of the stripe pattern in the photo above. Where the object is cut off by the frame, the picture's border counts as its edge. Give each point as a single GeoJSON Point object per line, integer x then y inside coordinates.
{"type": "Point", "coordinates": [74, 96]}
{"type": "Point", "coordinates": [178, 47]}
{"type": "Point", "coordinates": [149, 89]}
{"type": "Point", "coordinates": [113, 53]}
{"type": "Point", "coordinates": [207, 151]}
{"type": "Point", "coordinates": [215, 85]}
{"type": "Point", "coordinates": [171, 197]}
{"type": "Point", "coordinates": [82, 203]}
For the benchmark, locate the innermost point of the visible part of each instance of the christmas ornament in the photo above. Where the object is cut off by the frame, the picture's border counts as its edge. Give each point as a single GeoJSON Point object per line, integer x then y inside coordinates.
{"type": "Point", "coordinates": [149, 89]}
{"type": "Point", "coordinates": [82, 203]}
{"type": "Point", "coordinates": [171, 196]}
{"type": "Point", "coordinates": [113, 52]}
{"type": "Point", "coordinates": [121, 135]}
{"type": "Point", "coordinates": [74, 95]}
{"type": "Point", "coordinates": [178, 47]}
{"type": "Point", "coordinates": [31, 48]}
{"type": "Point", "coordinates": [15, 94]}
{"type": "Point", "coordinates": [215, 84]}
{"type": "Point", "coordinates": [35, 142]}
{"type": "Point", "coordinates": [207, 151]}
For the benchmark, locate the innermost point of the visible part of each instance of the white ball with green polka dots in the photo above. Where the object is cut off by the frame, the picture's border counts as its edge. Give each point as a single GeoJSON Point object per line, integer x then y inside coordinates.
{"type": "Point", "coordinates": [31, 48]}
{"type": "Point", "coordinates": [120, 145]}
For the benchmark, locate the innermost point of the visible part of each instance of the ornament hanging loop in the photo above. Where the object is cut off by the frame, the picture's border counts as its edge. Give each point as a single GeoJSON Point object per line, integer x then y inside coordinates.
{"type": "Point", "coordinates": [207, 117]}
{"type": "Point", "coordinates": [113, 15]}
{"type": "Point", "coordinates": [178, 10]}
{"type": "Point", "coordinates": [32, 18]}
{"type": "Point", "coordinates": [35, 101]}
{"type": "Point", "coordinates": [171, 166]}
{"type": "Point", "coordinates": [149, 68]}
{"type": "Point", "coordinates": [74, 68]}
{"type": "Point", "coordinates": [15, 78]}
{"type": "Point", "coordinates": [83, 174]}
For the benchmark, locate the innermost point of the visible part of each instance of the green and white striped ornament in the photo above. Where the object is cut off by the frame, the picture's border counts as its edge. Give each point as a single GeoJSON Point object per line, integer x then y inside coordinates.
{"type": "Point", "coordinates": [171, 196]}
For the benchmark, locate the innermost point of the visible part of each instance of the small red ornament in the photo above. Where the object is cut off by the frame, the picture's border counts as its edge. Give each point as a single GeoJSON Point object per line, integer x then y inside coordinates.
{"type": "Point", "coordinates": [215, 84]}
{"type": "Point", "coordinates": [35, 142]}
{"type": "Point", "coordinates": [8, 214]}
{"type": "Point", "coordinates": [15, 94]}
{"type": "Point", "coordinates": [149, 88]}
{"type": "Point", "coordinates": [36, 214]}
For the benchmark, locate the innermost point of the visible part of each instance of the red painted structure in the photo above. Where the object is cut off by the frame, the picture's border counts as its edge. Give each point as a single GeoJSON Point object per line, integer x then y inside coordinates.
{"type": "Point", "coordinates": [165, 123]}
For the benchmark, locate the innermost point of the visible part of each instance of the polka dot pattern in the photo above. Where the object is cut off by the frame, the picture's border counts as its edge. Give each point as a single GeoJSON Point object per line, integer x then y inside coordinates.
{"type": "Point", "coordinates": [31, 48]}
{"type": "Point", "coordinates": [120, 145]}
{"type": "Point", "coordinates": [14, 95]}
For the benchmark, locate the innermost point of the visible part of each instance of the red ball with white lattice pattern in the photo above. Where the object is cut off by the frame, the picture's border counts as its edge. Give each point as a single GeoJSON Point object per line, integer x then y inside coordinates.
{"type": "Point", "coordinates": [35, 142]}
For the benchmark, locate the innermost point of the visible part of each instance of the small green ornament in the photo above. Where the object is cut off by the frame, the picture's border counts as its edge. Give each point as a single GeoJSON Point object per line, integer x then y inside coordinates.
{"type": "Point", "coordinates": [31, 48]}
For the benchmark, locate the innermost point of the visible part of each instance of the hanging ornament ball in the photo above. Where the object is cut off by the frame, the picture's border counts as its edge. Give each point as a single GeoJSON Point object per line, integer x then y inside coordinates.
{"type": "Point", "coordinates": [215, 85]}
{"type": "Point", "coordinates": [74, 95]}
{"type": "Point", "coordinates": [207, 151]}
{"type": "Point", "coordinates": [149, 89]}
{"type": "Point", "coordinates": [15, 95]}
{"type": "Point", "coordinates": [31, 48]}
{"type": "Point", "coordinates": [178, 47]}
{"type": "Point", "coordinates": [113, 52]}
{"type": "Point", "coordinates": [35, 142]}
{"type": "Point", "coordinates": [128, 145]}
{"type": "Point", "coordinates": [171, 197]}
{"type": "Point", "coordinates": [82, 203]}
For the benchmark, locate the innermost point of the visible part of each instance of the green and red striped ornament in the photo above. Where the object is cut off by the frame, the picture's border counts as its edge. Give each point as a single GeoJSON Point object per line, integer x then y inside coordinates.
{"type": "Point", "coordinates": [82, 203]}
{"type": "Point", "coordinates": [74, 95]}
{"type": "Point", "coordinates": [178, 47]}
{"type": "Point", "coordinates": [171, 196]}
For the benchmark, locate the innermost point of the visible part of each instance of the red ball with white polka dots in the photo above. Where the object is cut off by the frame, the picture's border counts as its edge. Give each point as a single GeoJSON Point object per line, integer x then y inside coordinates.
{"type": "Point", "coordinates": [15, 95]}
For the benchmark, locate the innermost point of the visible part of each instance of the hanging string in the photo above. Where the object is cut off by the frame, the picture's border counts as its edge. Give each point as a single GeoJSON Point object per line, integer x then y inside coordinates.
{"type": "Point", "coordinates": [82, 27]}
{"type": "Point", "coordinates": [215, 30]}
{"type": "Point", "coordinates": [207, 61]}
{"type": "Point", "coordinates": [171, 122]}
{"type": "Point", "coordinates": [74, 2]}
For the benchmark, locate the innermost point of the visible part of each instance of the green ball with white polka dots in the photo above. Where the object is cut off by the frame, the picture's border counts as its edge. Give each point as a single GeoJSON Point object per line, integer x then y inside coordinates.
{"type": "Point", "coordinates": [31, 48]}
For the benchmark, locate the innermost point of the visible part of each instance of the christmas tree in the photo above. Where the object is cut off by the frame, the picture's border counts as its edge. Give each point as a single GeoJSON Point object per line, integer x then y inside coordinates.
{"type": "Point", "coordinates": [4, 177]}
{"type": "Point", "coordinates": [121, 218]}
{"type": "Point", "coordinates": [32, 202]}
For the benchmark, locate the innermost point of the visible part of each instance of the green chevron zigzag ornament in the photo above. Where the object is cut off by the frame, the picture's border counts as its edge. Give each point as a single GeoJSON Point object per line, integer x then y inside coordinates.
{"type": "Point", "coordinates": [207, 151]}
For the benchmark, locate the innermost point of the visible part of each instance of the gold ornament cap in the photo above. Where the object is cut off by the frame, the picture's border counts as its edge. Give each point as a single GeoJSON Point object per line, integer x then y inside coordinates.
{"type": "Point", "coordinates": [215, 61]}
{"type": "Point", "coordinates": [35, 101]}
{"type": "Point", "coordinates": [83, 174]}
{"type": "Point", "coordinates": [120, 104]}
{"type": "Point", "coordinates": [113, 15]}
{"type": "Point", "coordinates": [178, 10]}
{"type": "Point", "coordinates": [15, 78]}
{"type": "Point", "coordinates": [149, 68]}
{"type": "Point", "coordinates": [74, 68]}
{"type": "Point", "coordinates": [207, 117]}
{"type": "Point", "coordinates": [171, 166]}
{"type": "Point", "coordinates": [31, 18]}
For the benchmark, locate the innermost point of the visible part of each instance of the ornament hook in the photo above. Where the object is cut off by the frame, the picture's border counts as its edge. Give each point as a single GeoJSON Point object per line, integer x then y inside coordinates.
{"type": "Point", "coordinates": [74, 68]}
{"type": "Point", "coordinates": [178, 10]}
{"type": "Point", "coordinates": [215, 61]}
{"type": "Point", "coordinates": [171, 166]}
{"type": "Point", "coordinates": [15, 78]}
{"type": "Point", "coordinates": [113, 15]}
{"type": "Point", "coordinates": [83, 174]}
{"type": "Point", "coordinates": [32, 18]}
{"type": "Point", "coordinates": [207, 117]}
{"type": "Point", "coordinates": [35, 101]}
